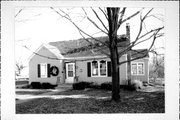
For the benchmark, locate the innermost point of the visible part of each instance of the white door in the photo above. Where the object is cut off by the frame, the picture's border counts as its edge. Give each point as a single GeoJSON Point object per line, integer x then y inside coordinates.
{"type": "Point", "coordinates": [70, 72]}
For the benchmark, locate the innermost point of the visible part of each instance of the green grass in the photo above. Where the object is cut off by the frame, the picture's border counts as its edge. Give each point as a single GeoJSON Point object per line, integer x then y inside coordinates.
{"type": "Point", "coordinates": [131, 102]}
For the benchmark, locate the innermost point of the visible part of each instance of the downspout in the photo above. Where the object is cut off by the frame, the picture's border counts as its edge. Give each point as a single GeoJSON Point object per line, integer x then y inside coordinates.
{"type": "Point", "coordinates": [128, 55]}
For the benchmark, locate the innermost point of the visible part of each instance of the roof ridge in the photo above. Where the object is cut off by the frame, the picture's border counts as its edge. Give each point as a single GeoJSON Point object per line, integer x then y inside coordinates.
{"type": "Point", "coordinates": [123, 35]}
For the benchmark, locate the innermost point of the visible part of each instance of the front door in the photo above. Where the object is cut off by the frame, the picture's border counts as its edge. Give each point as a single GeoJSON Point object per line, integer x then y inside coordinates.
{"type": "Point", "coordinates": [70, 72]}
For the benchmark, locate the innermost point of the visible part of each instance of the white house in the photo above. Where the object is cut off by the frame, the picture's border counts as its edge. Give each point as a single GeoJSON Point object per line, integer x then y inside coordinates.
{"type": "Point", "coordinates": [77, 60]}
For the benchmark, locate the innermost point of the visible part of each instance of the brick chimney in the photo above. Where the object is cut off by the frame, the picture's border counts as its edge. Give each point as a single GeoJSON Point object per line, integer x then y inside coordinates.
{"type": "Point", "coordinates": [128, 31]}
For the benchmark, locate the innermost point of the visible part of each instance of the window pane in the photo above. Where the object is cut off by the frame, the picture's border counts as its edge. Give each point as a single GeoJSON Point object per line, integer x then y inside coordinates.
{"type": "Point", "coordinates": [103, 68]}
{"type": "Point", "coordinates": [70, 73]}
{"type": "Point", "coordinates": [70, 67]}
{"type": "Point", "coordinates": [95, 68]}
{"type": "Point", "coordinates": [140, 68]}
{"type": "Point", "coordinates": [134, 69]}
{"type": "Point", "coordinates": [70, 70]}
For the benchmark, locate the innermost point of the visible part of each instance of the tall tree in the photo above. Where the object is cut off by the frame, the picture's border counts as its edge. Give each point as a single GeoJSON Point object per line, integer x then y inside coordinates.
{"type": "Point", "coordinates": [112, 14]}
{"type": "Point", "coordinates": [109, 22]}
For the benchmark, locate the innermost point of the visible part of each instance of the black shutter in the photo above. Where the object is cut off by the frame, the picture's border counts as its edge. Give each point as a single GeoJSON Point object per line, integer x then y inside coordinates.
{"type": "Point", "coordinates": [65, 70]}
{"type": "Point", "coordinates": [39, 70]}
{"type": "Point", "coordinates": [109, 68]}
{"type": "Point", "coordinates": [48, 70]}
{"type": "Point", "coordinates": [89, 69]}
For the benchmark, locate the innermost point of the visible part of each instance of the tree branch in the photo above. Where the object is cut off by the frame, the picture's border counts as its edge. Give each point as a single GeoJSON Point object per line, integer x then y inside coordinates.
{"type": "Point", "coordinates": [121, 17]}
{"type": "Point", "coordinates": [104, 13]}
{"type": "Point", "coordinates": [68, 18]}
{"type": "Point", "coordinates": [121, 21]}
{"type": "Point", "coordinates": [155, 36]}
{"type": "Point", "coordinates": [154, 52]}
{"type": "Point", "coordinates": [141, 25]}
{"type": "Point", "coordinates": [99, 19]}
{"type": "Point", "coordinates": [161, 19]}
{"type": "Point", "coordinates": [42, 55]}
{"type": "Point", "coordinates": [132, 59]}
{"type": "Point", "coordinates": [159, 35]}
{"type": "Point", "coordinates": [18, 12]}
{"type": "Point", "coordinates": [93, 22]}
{"type": "Point", "coordinates": [73, 59]}
{"type": "Point", "coordinates": [131, 16]}
{"type": "Point", "coordinates": [157, 29]}
{"type": "Point", "coordinates": [93, 44]}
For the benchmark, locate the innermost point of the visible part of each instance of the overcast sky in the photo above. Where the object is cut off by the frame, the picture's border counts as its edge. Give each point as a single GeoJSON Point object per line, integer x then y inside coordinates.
{"type": "Point", "coordinates": [35, 26]}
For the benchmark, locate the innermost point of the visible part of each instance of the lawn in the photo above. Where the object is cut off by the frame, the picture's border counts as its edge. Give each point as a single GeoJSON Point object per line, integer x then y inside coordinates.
{"type": "Point", "coordinates": [96, 101]}
{"type": "Point", "coordinates": [30, 92]}
{"type": "Point", "coordinates": [22, 82]}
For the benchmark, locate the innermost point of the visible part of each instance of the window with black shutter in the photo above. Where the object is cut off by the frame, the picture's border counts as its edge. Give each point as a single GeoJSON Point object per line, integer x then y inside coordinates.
{"type": "Point", "coordinates": [109, 68]}
{"type": "Point", "coordinates": [43, 70]}
{"type": "Point", "coordinates": [48, 70]}
{"type": "Point", "coordinates": [99, 68]}
{"type": "Point", "coordinates": [39, 70]}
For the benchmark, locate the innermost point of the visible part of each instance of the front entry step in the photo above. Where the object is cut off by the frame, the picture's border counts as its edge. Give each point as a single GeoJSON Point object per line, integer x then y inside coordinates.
{"type": "Point", "coordinates": [64, 86]}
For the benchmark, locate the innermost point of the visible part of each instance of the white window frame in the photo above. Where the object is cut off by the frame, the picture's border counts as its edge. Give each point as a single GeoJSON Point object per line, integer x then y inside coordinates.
{"type": "Point", "coordinates": [137, 68]}
{"type": "Point", "coordinates": [45, 72]}
{"type": "Point", "coordinates": [132, 69]}
{"type": "Point", "coordinates": [98, 75]}
{"type": "Point", "coordinates": [92, 69]}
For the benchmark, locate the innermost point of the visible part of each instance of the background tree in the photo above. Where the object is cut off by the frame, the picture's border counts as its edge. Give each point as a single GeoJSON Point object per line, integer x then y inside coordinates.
{"type": "Point", "coordinates": [19, 68]}
{"type": "Point", "coordinates": [156, 67]}
{"type": "Point", "coordinates": [109, 21]}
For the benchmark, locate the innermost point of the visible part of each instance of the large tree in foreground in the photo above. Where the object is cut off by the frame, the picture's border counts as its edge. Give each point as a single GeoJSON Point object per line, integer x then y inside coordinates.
{"type": "Point", "coordinates": [108, 21]}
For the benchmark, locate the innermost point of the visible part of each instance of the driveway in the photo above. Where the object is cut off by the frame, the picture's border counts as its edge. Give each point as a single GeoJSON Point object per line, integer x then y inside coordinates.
{"type": "Point", "coordinates": [25, 95]}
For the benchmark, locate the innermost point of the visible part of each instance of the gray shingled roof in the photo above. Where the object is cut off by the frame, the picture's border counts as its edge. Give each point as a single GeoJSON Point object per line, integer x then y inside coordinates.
{"type": "Point", "coordinates": [82, 48]}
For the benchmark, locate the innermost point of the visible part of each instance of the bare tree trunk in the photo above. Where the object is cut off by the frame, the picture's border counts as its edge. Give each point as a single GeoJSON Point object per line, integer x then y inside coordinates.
{"type": "Point", "coordinates": [115, 75]}
{"type": "Point", "coordinates": [113, 24]}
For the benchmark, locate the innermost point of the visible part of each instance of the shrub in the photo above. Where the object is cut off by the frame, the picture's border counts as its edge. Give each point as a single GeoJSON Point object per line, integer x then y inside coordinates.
{"type": "Point", "coordinates": [36, 85]}
{"type": "Point", "coordinates": [106, 86]}
{"type": "Point", "coordinates": [127, 87]}
{"type": "Point", "coordinates": [26, 87]}
{"type": "Point", "coordinates": [94, 85]}
{"type": "Point", "coordinates": [81, 85]}
{"type": "Point", "coordinates": [145, 83]}
{"type": "Point", "coordinates": [136, 84]}
{"type": "Point", "coordinates": [47, 86]}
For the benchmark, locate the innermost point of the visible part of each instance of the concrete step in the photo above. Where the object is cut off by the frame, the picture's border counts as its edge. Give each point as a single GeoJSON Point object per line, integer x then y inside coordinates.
{"type": "Point", "coordinates": [64, 86]}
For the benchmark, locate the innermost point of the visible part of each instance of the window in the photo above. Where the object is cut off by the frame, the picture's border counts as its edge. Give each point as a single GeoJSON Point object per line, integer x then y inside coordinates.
{"type": "Point", "coordinates": [140, 69]}
{"type": "Point", "coordinates": [43, 70]}
{"type": "Point", "coordinates": [95, 68]}
{"type": "Point", "coordinates": [137, 68]}
{"type": "Point", "coordinates": [133, 68]}
{"type": "Point", "coordinates": [103, 68]}
{"type": "Point", "coordinates": [99, 68]}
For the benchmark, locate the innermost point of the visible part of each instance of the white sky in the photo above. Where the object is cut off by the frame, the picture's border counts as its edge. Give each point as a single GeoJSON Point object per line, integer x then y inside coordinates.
{"type": "Point", "coordinates": [35, 26]}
